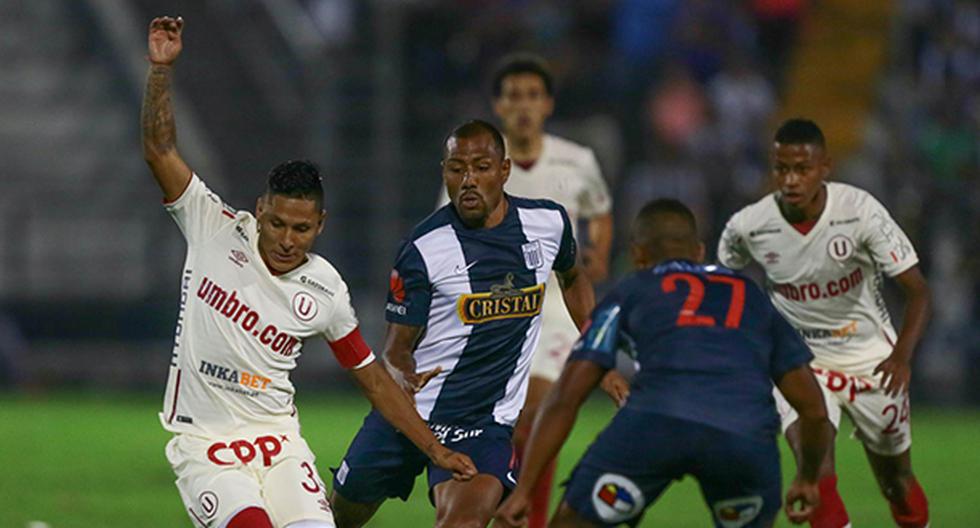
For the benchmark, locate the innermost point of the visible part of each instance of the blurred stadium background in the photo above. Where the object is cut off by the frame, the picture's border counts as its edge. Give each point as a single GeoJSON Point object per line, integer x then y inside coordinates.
{"type": "Point", "coordinates": [678, 98]}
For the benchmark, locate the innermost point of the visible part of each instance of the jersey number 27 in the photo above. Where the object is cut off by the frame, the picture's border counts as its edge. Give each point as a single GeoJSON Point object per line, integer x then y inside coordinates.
{"type": "Point", "coordinates": [695, 296]}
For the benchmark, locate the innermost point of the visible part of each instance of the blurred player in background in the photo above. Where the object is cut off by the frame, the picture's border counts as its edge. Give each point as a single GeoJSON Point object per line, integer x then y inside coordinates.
{"type": "Point", "coordinates": [463, 311]}
{"type": "Point", "coordinates": [710, 345]}
{"type": "Point", "coordinates": [823, 247]}
{"type": "Point", "coordinates": [251, 293]}
{"type": "Point", "coordinates": [547, 166]}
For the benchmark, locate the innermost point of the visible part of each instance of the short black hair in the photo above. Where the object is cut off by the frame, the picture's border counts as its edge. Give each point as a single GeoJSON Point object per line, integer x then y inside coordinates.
{"type": "Point", "coordinates": [475, 127]}
{"type": "Point", "coordinates": [648, 230]}
{"type": "Point", "coordinates": [800, 131]}
{"type": "Point", "coordinates": [517, 63]}
{"type": "Point", "coordinates": [296, 179]}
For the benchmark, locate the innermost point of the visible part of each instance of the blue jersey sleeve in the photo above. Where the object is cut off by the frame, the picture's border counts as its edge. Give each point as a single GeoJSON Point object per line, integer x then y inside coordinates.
{"type": "Point", "coordinates": [409, 289]}
{"type": "Point", "coordinates": [567, 249]}
{"type": "Point", "coordinates": [602, 336]}
{"type": "Point", "coordinates": [789, 350]}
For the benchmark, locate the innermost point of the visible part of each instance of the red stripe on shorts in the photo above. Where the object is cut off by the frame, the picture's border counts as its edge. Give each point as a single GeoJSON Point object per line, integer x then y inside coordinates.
{"type": "Point", "coordinates": [173, 410]}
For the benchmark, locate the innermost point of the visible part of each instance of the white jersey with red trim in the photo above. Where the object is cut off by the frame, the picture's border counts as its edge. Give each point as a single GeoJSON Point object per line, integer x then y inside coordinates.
{"type": "Point", "coordinates": [240, 328]}
{"type": "Point", "coordinates": [827, 283]}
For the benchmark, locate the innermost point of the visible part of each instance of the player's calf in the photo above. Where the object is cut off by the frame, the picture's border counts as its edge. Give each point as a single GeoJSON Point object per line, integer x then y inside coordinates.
{"type": "Point", "coordinates": [907, 501]}
{"type": "Point", "coordinates": [348, 514]}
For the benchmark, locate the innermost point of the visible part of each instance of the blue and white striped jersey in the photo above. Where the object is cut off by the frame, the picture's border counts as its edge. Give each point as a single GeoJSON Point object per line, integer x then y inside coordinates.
{"type": "Point", "coordinates": [478, 293]}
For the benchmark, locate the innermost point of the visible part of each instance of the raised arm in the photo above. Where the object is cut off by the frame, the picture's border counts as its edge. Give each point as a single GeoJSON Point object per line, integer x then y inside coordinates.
{"type": "Point", "coordinates": [157, 116]}
{"type": "Point", "coordinates": [896, 370]}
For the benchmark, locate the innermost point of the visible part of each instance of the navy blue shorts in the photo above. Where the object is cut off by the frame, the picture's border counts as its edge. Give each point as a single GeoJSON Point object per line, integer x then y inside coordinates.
{"type": "Point", "coordinates": [639, 454]}
{"type": "Point", "coordinates": [381, 462]}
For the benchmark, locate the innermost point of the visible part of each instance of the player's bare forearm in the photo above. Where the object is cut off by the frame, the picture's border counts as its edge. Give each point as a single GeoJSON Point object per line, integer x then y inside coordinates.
{"type": "Point", "coordinates": [555, 418]}
{"type": "Point", "coordinates": [801, 390]}
{"type": "Point", "coordinates": [917, 309]}
{"type": "Point", "coordinates": [392, 402]}
{"type": "Point", "coordinates": [579, 296]}
{"type": "Point", "coordinates": [157, 122]}
{"type": "Point", "coordinates": [600, 241]}
{"type": "Point", "coordinates": [399, 347]}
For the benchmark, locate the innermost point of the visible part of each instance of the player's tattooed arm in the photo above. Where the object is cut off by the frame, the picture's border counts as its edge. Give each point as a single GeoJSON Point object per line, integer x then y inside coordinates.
{"type": "Point", "coordinates": [399, 358]}
{"type": "Point", "coordinates": [398, 409]}
{"type": "Point", "coordinates": [896, 372]}
{"type": "Point", "coordinates": [159, 128]}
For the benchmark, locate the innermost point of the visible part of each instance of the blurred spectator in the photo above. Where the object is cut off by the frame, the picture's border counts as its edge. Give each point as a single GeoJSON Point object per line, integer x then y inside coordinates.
{"type": "Point", "coordinates": [778, 23]}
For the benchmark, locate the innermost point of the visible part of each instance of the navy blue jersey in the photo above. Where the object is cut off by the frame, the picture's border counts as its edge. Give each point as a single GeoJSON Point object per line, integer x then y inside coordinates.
{"type": "Point", "coordinates": [708, 341]}
{"type": "Point", "coordinates": [478, 293]}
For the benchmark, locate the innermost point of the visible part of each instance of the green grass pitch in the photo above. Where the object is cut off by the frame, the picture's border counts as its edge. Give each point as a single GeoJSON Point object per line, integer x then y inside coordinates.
{"type": "Point", "coordinates": [97, 461]}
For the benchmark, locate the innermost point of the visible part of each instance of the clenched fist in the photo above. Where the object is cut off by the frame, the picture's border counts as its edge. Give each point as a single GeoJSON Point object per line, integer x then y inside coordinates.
{"type": "Point", "coordinates": [164, 42]}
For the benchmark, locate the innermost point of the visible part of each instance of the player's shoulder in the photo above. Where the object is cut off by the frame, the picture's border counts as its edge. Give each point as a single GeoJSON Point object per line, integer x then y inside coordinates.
{"type": "Point", "coordinates": [441, 217]}
{"type": "Point", "coordinates": [521, 202]}
{"type": "Point", "coordinates": [756, 215]}
{"type": "Point", "coordinates": [850, 197]}
{"type": "Point", "coordinates": [565, 151]}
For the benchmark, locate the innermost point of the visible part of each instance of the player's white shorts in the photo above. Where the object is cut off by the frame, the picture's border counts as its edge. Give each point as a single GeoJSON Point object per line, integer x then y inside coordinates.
{"type": "Point", "coordinates": [881, 422]}
{"type": "Point", "coordinates": [553, 349]}
{"type": "Point", "coordinates": [275, 471]}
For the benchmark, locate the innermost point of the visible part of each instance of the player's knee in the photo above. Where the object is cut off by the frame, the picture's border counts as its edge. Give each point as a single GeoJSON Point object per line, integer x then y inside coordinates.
{"type": "Point", "coordinates": [347, 514]}
{"type": "Point", "coordinates": [252, 517]}
{"type": "Point", "coordinates": [566, 517]}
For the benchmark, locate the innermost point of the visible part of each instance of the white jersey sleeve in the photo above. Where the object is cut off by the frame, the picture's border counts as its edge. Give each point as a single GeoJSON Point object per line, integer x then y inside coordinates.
{"type": "Point", "coordinates": [594, 200]}
{"type": "Point", "coordinates": [885, 240]}
{"type": "Point", "coordinates": [732, 250]}
{"type": "Point", "coordinates": [199, 212]}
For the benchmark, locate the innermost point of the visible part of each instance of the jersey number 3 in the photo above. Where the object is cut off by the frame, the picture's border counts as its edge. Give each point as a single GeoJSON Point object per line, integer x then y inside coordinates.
{"type": "Point", "coordinates": [689, 315]}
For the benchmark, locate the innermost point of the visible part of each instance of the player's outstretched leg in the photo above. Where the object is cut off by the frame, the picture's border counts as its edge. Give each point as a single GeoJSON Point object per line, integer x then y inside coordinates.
{"type": "Point", "coordinates": [468, 504]}
{"type": "Point", "coordinates": [348, 514]}
{"type": "Point", "coordinates": [831, 513]}
{"type": "Point", "coordinates": [898, 484]}
{"type": "Point", "coordinates": [566, 517]}
{"type": "Point", "coordinates": [537, 389]}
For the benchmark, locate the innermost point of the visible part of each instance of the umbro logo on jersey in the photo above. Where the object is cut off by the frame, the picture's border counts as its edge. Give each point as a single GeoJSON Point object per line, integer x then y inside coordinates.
{"type": "Point", "coordinates": [772, 257]}
{"type": "Point", "coordinates": [238, 257]}
{"type": "Point", "coordinates": [459, 270]}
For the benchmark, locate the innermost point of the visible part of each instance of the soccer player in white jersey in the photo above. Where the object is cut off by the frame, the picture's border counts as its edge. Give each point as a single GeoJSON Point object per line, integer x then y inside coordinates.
{"type": "Point", "coordinates": [464, 314]}
{"type": "Point", "coordinates": [824, 247]}
{"type": "Point", "coordinates": [547, 166]}
{"type": "Point", "coordinates": [251, 293]}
